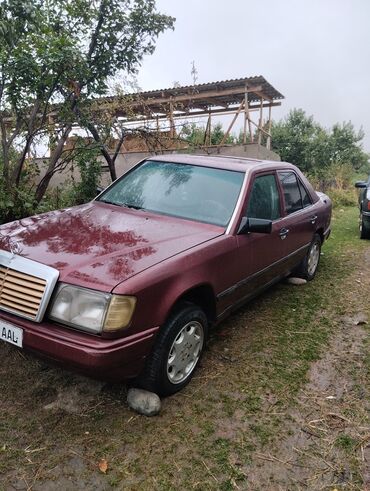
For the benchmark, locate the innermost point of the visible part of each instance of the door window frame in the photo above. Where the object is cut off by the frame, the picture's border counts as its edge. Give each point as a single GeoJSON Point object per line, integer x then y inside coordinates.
{"type": "Point", "coordinates": [279, 190]}
{"type": "Point", "coordinates": [299, 182]}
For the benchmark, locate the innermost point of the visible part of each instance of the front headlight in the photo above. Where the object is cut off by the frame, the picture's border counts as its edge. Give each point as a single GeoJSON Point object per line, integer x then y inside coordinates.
{"type": "Point", "coordinates": [90, 310]}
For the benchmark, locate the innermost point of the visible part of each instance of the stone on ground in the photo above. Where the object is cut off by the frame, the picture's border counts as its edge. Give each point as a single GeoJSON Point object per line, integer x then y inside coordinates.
{"type": "Point", "coordinates": [144, 402]}
{"type": "Point", "coordinates": [296, 281]}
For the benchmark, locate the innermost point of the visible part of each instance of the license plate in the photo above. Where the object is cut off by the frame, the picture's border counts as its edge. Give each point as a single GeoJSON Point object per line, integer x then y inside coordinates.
{"type": "Point", "coordinates": [11, 334]}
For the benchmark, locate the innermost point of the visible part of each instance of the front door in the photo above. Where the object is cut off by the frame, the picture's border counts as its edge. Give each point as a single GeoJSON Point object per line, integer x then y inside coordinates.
{"type": "Point", "coordinates": [261, 256]}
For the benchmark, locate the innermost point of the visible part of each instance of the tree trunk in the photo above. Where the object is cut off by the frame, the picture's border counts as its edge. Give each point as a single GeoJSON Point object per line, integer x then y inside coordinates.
{"type": "Point", "coordinates": [104, 152]}
{"type": "Point", "coordinates": [5, 152]}
{"type": "Point", "coordinates": [53, 161]}
{"type": "Point", "coordinates": [16, 177]}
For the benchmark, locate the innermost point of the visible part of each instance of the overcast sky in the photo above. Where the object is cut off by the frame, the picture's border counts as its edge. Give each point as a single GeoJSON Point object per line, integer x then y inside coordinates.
{"type": "Point", "coordinates": [315, 52]}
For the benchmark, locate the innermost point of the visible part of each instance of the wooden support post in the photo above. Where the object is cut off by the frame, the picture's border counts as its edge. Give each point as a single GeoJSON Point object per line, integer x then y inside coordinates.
{"type": "Point", "coordinates": [260, 123]}
{"type": "Point", "coordinates": [268, 145]}
{"type": "Point", "coordinates": [231, 124]}
{"type": "Point", "coordinates": [210, 130]}
{"type": "Point", "coordinates": [246, 116]}
{"type": "Point", "coordinates": [157, 125]}
{"type": "Point", "coordinates": [172, 122]}
{"type": "Point", "coordinates": [207, 133]}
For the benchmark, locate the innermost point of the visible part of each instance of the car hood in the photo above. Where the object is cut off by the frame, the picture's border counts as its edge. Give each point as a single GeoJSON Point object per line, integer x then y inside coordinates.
{"type": "Point", "coordinates": [99, 245]}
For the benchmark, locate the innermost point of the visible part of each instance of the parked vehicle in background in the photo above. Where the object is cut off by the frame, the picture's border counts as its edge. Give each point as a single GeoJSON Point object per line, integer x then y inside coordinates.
{"type": "Point", "coordinates": [129, 285]}
{"type": "Point", "coordinates": [364, 205]}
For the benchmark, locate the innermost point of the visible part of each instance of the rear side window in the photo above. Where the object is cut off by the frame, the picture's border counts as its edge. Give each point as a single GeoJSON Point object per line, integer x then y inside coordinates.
{"type": "Point", "coordinates": [292, 194]}
{"type": "Point", "coordinates": [264, 200]}
{"type": "Point", "coordinates": [306, 199]}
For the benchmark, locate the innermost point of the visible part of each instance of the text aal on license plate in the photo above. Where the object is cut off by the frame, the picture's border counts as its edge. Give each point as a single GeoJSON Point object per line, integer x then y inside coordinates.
{"type": "Point", "coordinates": [11, 334]}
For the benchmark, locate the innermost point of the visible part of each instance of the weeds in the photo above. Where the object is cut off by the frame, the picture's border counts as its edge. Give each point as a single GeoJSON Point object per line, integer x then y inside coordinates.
{"type": "Point", "coordinates": [240, 420]}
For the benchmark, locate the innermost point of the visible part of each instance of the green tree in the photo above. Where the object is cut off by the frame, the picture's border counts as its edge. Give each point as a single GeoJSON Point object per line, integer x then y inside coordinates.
{"type": "Point", "coordinates": [89, 168]}
{"type": "Point", "coordinates": [294, 137]}
{"type": "Point", "coordinates": [55, 56]}
{"type": "Point", "coordinates": [304, 142]}
{"type": "Point", "coordinates": [196, 135]}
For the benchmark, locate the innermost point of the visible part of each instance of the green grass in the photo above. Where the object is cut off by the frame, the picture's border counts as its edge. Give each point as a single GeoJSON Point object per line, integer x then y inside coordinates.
{"type": "Point", "coordinates": [208, 435]}
{"type": "Point", "coordinates": [346, 442]}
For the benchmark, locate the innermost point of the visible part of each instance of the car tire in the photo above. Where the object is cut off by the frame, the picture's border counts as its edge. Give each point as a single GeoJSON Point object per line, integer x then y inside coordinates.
{"type": "Point", "coordinates": [176, 352]}
{"type": "Point", "coordinates": [364, 230]}
{"type": "Point", "coordinates": [308, 267]}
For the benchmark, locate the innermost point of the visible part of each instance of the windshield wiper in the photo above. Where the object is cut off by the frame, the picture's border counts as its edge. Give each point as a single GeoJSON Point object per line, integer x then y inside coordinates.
{"type": "Point", "coordinates": [135, 207]}
{"type": "Point", "coordinates": [109, 202]}
{"type": "Point", "coordinates": [125, 205]}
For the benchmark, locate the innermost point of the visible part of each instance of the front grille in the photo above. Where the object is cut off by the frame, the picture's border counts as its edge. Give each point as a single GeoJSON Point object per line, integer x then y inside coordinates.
{"type": "Point", "coordinates": [21, 293]}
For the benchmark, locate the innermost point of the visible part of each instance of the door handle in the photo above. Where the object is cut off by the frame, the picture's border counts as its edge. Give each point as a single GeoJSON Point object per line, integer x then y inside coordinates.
{"type": "Point", "coordinates": [313, 219]}
{"type": "Point", "coordinates": [283, 233]}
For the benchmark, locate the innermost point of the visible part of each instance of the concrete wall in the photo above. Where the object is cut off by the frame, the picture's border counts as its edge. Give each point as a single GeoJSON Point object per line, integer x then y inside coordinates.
{"type": "Point", "coordinates": [127, 160]}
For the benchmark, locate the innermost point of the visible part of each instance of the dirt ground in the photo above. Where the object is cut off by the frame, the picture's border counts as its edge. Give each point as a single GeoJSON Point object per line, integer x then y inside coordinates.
{"type": "Point", "coordinates": [279, 402]}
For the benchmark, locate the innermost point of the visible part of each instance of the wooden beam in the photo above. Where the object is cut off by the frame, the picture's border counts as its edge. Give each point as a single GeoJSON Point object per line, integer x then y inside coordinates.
{"type": "Point", "coordinates": [197, 114]}
{"type": "Point", "coordinates": [208, 132]}
{"type": "Point", "coordinates": [246, 105]}
{"type": "Point", "coordinates": [219, 112]}
{"type": "Point", "coordinates": [268, 143]}
{"type": "Point", "coordinates": [172, 123]}
{"type": "Point", "coordinates": [195, 97]}
{"type": "Point", "coordinates": [261, 95]}
{"type": "Point", "coordinates": [261, 129]}
{"type": "Point", "coordinates": [260, 123]}
{"type": "Point", "coordinates": [231, 124]}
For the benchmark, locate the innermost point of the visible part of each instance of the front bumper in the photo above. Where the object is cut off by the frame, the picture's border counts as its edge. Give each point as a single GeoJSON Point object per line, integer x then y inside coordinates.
{"type": "Point", "coordinates": [109, 359]}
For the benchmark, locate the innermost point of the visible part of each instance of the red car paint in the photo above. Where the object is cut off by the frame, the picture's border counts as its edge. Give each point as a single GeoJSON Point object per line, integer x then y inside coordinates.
{"type": "Point", "coordinates": [158, 259]}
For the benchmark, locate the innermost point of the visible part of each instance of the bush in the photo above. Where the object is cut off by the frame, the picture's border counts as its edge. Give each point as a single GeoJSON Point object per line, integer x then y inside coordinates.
{"type": "Point", "coordinates": [343, 197]}
{"type": "Point", "coordinates": [90, 172]}
{"type": "Point", "coordinates": [21, 202]}
{"type": "Point", "coordinates": [336, 181]}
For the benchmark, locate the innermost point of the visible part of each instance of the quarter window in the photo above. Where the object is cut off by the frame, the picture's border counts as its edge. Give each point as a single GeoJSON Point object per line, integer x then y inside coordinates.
{"type": "Point", "coordinates": [292, 194]}
{"type": "Point", "coordinates": [264, 201]}
{"type": "Point", "coordinates": [306, 200]}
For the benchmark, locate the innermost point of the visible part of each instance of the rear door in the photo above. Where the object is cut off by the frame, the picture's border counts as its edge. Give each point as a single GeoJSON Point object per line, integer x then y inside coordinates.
{"type": "Point", "coordinates": [299, 222]}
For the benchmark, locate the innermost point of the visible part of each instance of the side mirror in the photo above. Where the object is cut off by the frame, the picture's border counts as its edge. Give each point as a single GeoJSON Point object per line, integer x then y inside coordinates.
{"type": "Point", "coordinates": [361, 184]}
{"type": "Point", "coordinates": [99, 190]}
{"type": "Point", "coordinates": [255, 225]}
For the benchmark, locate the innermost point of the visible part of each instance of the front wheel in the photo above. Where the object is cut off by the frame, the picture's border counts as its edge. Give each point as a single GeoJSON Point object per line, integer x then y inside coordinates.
{"type": "Point", "coordinates": [308, 267]}
{"type": "Point", "coordinates": [176, 352]}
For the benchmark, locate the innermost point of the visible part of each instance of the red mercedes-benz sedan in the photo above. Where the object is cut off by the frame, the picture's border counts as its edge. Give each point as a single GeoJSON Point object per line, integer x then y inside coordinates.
{"type": "Point", "coordinates": [129, 285]}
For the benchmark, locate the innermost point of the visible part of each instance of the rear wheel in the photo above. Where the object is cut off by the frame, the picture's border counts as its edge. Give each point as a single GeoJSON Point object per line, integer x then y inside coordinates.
{"type": "Point", "coordinates": [364, 229]}
{"type": "Point", "coordinates": [308, 267]}
{"type": "Point", "coordinates": [176, 352]}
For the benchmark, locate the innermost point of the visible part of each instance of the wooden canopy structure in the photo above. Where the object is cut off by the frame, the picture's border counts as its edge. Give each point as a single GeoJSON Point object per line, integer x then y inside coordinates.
{"type": "Point", "coordinates": [241, 96]}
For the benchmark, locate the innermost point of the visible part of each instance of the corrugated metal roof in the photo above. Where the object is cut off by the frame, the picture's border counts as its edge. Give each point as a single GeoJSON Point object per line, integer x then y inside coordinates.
{"type": "Point", "coordinates": [202, 97]}
{"type": "Point", "coordinates": [268, 89]}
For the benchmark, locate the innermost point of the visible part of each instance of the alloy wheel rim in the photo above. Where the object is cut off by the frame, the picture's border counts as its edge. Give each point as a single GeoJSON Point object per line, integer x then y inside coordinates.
{"type": "Point", "coordinates": [313, 258]}
{"type": "Point", "coordinates": [185, 352]}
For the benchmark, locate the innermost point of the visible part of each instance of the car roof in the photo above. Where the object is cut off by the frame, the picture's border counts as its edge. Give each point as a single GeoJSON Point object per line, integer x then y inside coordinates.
{"type": "Point", "coordinates": [240, 164]}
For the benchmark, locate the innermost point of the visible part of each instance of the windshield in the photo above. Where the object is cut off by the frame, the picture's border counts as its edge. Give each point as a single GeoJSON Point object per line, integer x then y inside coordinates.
{"type": "Point", "coordinates": [197, 193]}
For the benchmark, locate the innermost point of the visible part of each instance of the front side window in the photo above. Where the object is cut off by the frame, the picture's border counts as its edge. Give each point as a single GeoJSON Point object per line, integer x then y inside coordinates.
{"type": "Point", "coordinates": [292, 194]}
{"type": "Point", "coordinates": [193, 192]}
{"type": "Point", "coordinates": [264, 200]}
